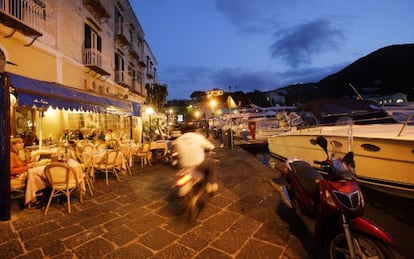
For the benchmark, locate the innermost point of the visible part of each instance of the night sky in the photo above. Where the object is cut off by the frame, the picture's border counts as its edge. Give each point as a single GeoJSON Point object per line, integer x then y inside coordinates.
{"type": "Point", "coordinates": [247, 45]}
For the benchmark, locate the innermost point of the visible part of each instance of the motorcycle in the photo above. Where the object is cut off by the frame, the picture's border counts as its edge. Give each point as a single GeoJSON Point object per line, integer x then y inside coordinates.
{"type": "Point", "coordinates": [335, 201]}
{"type": "Point", "coordinates": [193, 189]}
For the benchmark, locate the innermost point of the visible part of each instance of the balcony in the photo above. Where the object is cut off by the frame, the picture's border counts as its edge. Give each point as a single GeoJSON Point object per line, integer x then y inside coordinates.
{"type": "Point", "coordinates": [150, 75]}
{"type": "Point", "coordinates": [133, 51]}
{"type": "Point", "coordinates": [122, 33]}
{"type": "Point", "coordinates": [96, 8]}
{"type": "Point", "coordinates": [123, 78]}
{"type": "Point", "coordinates": [25, 16]}
{"type": "Point", "coordinates": [92, 59]}
{"type": "Point", "coordinates": [142, 63]}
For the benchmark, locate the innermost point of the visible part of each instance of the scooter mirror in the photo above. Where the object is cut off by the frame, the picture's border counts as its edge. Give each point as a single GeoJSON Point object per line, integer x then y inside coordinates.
{"type": "Point", "coordinates": [323, 143]}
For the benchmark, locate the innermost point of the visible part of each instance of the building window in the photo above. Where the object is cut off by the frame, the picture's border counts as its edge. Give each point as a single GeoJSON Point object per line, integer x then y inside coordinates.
{"type": "Point", "coordinates": [119, 68]}
{"type": "Point", "coordinates": [92, 39]}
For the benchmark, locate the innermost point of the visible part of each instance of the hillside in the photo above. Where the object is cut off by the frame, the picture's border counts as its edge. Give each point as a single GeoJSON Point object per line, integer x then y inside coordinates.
{"type": "Point", "coordinates": [385, 71]}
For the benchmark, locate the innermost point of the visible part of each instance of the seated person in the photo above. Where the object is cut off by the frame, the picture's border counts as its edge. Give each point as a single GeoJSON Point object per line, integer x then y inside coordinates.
{"type": "Point", "coordinates": [109, 135]}
{"type": "Point", "coordinates": [66, 134]}
{"type": "Point", "coordinates": [78, 135]}
{"type": "Point", "coordinates": [18, 168]}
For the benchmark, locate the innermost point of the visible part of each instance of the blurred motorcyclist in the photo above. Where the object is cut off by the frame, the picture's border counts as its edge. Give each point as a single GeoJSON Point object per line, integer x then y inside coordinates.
{"type": "Point", "coordinates": [191, 147]}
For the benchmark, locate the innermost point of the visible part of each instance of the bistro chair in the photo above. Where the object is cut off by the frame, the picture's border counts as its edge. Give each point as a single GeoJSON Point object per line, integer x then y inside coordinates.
{"type": "Point", "coordinates": [74, 155]}
{"type": "Point", "coordinates": [108, 164]}
{"type": "Point", "coordinates": [18, 188]}
{"type": "Point", "coordinates": [63, 181]}
{"type": "Point", "coordinates": [88, 148]}
{"type": "Point", "coordinates": [128, 157]}
{"type": "Point", "coordinates": [144, 154]}
{"type": "Point", "coordinates": [86, 169]}
{"type": "Point", "coordinates": [101, 146]}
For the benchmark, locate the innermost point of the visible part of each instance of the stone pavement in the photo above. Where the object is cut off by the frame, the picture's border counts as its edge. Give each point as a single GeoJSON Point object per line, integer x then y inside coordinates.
{"type": "Point", "coordinates": [139, 218]}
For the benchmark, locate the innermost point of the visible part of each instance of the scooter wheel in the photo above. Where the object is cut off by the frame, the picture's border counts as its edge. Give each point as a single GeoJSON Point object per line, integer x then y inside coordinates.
{"type": "Point", "coordinates": [335, 247]}
{"type": "Point", "coordinates": [195, 202]}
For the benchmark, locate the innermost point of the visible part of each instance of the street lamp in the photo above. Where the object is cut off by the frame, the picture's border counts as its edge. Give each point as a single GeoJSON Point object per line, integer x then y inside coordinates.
{"type": "Point", "coordinates": [213, 104]}
{"type": "Point", "coordinates": [197, 115]}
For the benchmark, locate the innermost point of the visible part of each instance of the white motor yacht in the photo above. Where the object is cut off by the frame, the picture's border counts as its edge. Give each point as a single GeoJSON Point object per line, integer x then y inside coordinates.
{"type": "Point", "coordinates": [383, 146]}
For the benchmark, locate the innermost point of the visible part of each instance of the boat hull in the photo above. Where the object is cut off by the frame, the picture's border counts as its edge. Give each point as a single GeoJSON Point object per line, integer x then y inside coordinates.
{"type": "Point", "coordinates": [384, 160]}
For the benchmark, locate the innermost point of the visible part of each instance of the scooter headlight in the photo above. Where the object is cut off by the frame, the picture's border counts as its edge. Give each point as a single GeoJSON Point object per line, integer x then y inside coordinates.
{"type": "Point", "coordinates": [351, 201]}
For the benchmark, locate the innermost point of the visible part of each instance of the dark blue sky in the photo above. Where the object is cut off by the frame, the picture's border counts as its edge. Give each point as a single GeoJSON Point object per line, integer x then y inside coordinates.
{"type": "Point", "coordinates": [265, 44]}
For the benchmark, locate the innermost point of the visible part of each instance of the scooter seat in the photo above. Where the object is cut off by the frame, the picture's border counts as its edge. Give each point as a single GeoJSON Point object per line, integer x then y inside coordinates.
{"type": "Point", "coordinates": [306, 176]}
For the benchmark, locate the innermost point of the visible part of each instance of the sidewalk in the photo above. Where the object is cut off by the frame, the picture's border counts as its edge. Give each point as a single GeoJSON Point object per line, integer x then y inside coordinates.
{"type": "Point", "coordinates": [137, 218]}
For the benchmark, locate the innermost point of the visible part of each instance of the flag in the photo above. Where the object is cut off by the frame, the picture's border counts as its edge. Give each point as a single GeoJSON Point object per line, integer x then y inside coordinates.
{"type": "Point", "coordinates": [231, 103]}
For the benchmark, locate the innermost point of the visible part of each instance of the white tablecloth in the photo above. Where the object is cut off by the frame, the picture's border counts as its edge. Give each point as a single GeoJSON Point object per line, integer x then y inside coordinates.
{"type": "Point", "coordinates": [97, 157]}
{"type": "Point", "coordinates": [36, 179]}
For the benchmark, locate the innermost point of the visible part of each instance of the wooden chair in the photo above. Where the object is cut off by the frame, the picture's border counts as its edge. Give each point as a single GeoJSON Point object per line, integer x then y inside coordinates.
{"type": "Point", "coordinates": [63, 181]}
{"type": "Point", "coordinates": [108, 164]}
{"type": "Point", "coordinates": [144, 154]}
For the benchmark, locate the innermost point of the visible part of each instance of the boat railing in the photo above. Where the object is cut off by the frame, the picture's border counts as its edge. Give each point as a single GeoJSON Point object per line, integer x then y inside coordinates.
{"type": "Point", "coordinates": [309, 124]}
{"type": "Point", "coordinates": [407, 122]}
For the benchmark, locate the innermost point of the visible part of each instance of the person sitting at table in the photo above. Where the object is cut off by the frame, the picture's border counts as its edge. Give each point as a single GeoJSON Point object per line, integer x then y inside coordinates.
{"type": "Point", "coordinates": [78, 135]}
{"type": "Point", "coordinates": [31, 140]}
{"type": "Point", "coordinates": [109, 135]}
{"type": "Point", "coordinates": [92, 135]}
{"type": "Point", "coordinates": [66, 134]}
{"type": "Point", "coordinates": [101, 136]}
{"type": "Point", "coordinates": [18, 168]}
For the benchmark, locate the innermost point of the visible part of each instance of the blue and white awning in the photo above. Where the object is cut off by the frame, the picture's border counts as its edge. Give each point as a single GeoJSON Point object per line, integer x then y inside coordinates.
{"type": "Point", "coordinates": [36, 93]}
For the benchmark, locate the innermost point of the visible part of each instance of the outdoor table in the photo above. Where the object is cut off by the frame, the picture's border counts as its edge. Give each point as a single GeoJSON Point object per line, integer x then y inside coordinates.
{"type": "Point", "coordinates": [160, 149]}
{"type": "Point", "coordinates": [37, 180]}
{"type": "Point", "coordinates": [97, 156]}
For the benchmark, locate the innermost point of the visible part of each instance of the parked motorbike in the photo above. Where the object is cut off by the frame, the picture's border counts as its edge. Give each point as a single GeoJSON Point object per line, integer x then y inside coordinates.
{"type": "Point", "coordinates": [192, 188]}
{"type": "Point", "coordinates": [335, 201]}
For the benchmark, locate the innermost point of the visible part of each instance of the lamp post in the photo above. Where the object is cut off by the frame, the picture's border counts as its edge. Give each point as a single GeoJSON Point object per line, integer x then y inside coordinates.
{"type": "Point", "coordinates": [149, 111]}
{"type": "Point", "coordinates": [213, 104]}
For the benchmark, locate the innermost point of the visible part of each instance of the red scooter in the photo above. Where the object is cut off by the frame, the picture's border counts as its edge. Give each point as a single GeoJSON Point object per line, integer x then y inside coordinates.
{"type": "Point", "coordinates": [335, 201]}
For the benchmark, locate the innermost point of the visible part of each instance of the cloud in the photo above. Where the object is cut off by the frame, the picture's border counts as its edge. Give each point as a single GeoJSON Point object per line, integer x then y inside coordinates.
{"type": "Point", "coordinates": [297, 45]}
{"type": "Point", "coordinates": [249, 16]}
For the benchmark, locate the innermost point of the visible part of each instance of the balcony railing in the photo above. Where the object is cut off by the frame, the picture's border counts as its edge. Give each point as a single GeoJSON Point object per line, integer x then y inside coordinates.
{"type": "Point", "coordinates": [150, 74]}
{"type": "Point", "coordinates": [92, 58]}
{"type": "Point", "coordinates": [123, 78]}
{"type": "Point", "coordinates": [134, 51]}
{"type": "Point", "coordinates": [97, 8]}
{"type": "Point", "coordinates": [26, 16]}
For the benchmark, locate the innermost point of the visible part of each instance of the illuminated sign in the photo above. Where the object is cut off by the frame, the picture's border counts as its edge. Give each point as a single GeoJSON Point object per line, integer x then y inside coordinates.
{"type": "Point", "coordinates": [214, 92]}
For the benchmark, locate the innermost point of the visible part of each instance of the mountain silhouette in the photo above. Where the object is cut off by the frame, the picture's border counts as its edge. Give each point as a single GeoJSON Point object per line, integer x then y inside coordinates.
{"type": "Point", "coordinates": [385, 71]}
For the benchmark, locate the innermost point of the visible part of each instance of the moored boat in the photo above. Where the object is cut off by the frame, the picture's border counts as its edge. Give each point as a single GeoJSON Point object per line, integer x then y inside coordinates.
{"type": "Point", "coordinates": [383, 147]}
